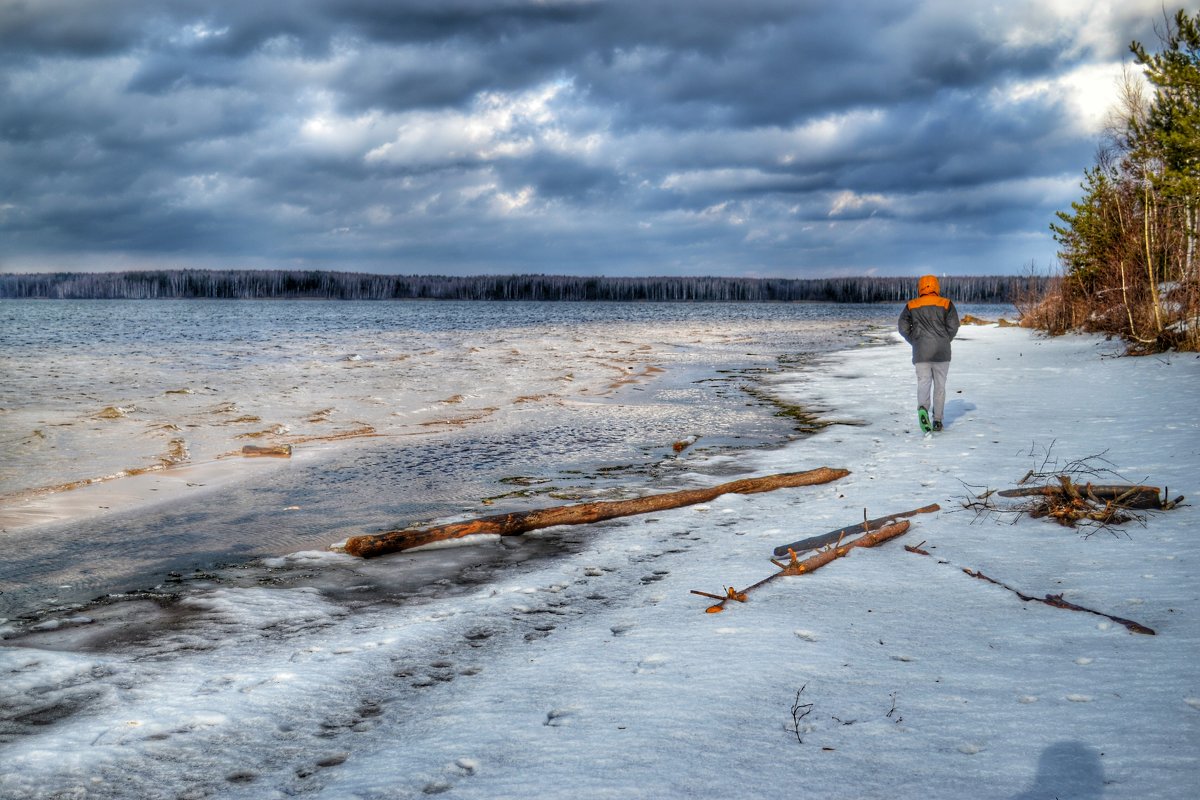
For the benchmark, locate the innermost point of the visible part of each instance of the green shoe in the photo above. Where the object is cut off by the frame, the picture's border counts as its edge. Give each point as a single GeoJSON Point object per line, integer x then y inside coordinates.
{"type": "Point", "coordinates": [923, 420]}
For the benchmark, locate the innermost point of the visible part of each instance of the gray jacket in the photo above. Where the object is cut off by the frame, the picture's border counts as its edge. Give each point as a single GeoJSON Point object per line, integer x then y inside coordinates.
{"type": "Point", "coordinates": [929, 323]}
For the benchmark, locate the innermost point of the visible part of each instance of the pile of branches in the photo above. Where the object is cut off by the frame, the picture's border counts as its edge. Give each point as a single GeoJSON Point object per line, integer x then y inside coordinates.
{"type": "Point", "coordinates": [1070, 497]}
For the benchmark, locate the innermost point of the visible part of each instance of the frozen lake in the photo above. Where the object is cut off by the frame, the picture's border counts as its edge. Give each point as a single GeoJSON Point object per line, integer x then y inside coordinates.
{"type": "Point", "coordinates": [397, 412]}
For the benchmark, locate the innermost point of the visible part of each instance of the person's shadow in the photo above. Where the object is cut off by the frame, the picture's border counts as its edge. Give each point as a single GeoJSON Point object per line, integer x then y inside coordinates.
{"type": "Point", "coordinates": [954, 409]}
{"type": "Point", "coordinates": [1066, 771]}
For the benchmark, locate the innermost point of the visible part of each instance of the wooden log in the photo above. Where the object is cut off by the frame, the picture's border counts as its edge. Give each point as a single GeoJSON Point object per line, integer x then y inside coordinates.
{"type": "Point", "coordinates": [813, 542]}
{"type": "Point", "coordinates": [278, 450]}
{"type": "Point", "coordinates": [1125, 495]}
{"type": "Point", "coordinates": [513, 524]}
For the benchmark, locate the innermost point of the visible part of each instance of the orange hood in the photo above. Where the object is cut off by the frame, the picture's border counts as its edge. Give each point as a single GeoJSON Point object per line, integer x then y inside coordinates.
{"type": "Point", "coordinates": [928, 284]}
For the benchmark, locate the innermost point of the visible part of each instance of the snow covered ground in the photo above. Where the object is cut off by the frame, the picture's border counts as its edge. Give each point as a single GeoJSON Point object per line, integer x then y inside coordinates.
{"type": "Point", "coordinates": [596, 673]}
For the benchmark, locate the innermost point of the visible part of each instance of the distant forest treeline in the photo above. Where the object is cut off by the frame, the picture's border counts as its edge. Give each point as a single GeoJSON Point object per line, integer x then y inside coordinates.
{"type": "Point", "coordinates": [314, 284]}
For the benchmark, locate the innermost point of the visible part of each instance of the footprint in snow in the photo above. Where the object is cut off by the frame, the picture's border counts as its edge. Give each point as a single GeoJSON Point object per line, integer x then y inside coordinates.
{"type": "Point", "coordinates": [807, 636]}
{"type": "Point", "coordinates": [476, 636]}
{"type": "Point", "coordinates": [465, 766]}
{"type": "Point", "coordinates": [241, 776]}
{"type": "Point", "coordinates": [1079, 698]}
{"type": "Point", "coordinates": [969, 748]}
{"type": "Point", "coordinates": [651, 663]}
{"type": "Point", "coordinates": [1194, 702]}
{"type": "Point", "coordinates": [557, 717]}
{"type": "Point", "coordinates": [621, 628]}
{"type": "Point", "coordinates": [332, 760]}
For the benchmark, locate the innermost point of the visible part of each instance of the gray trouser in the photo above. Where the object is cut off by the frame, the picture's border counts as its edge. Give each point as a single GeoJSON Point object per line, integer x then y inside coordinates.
{"type": "Point", "coordinates": [932, 375]}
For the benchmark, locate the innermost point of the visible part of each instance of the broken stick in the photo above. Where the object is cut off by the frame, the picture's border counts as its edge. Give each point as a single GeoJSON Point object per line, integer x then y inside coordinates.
{"type": "Point", "coordinates": [514, 524]}
{"type": "Point", "coordinates": [822, 558]}
{"type": "Point", "coordinates": [798, 567]}
{"type": "Point", "coordinates": [813, 542]}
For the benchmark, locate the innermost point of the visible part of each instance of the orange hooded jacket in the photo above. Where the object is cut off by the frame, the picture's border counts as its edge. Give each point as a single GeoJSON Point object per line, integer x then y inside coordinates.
{"type": "Point", "coordinates": [928, 290]}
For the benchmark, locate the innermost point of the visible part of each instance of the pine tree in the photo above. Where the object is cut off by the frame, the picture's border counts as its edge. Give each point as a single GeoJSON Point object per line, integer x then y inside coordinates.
{"type": "Point", "coordinates": [1133, 235]}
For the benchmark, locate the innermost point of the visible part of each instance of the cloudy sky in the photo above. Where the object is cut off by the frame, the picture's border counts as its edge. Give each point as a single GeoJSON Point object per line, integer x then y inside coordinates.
{"type": "Point", "coordinates": [795, 138]}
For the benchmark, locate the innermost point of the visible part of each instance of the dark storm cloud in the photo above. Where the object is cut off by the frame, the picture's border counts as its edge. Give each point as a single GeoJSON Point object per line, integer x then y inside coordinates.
{"type": "Point", "coordinates": [789, 137]}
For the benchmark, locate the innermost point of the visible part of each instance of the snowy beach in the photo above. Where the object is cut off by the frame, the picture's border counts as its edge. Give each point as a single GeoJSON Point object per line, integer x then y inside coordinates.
{"type": "Point", "coordinates": [576, 662]}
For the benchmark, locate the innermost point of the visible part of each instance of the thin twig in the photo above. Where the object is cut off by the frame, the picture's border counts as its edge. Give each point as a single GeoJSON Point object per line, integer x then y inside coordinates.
{"type": "Point", "coordinates": [799, 712]}
{"type": "Point", "coordinates": [1057, 601]}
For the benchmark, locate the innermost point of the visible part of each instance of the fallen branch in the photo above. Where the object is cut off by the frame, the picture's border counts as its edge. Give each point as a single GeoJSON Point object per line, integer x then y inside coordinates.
{"type": "Point", "coordinates": [1057, 601]}
{"type": "Point", "coordinates": [1073, 504]}
{"type": "Point", "coordinates": [798, 567]}
{"type": "Point", "coordinates": [514, 524]}
{"type": "Point", "coordinates": [833, 537]}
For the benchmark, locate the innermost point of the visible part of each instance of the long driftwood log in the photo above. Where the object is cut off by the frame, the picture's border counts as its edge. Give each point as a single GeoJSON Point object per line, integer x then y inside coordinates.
{"type": "Point", "coordinates": [813, 542]}
{"type": "Point", "coordinates": [516, 523]}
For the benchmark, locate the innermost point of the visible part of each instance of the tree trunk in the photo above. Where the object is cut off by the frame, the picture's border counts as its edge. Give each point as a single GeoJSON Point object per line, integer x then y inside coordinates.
{"type": "Point", "coordinates": [513, 524]}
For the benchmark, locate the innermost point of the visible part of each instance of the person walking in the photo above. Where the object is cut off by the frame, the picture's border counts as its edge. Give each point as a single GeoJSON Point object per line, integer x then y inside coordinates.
{"type": "Point", "coordinates": [929, 322]}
